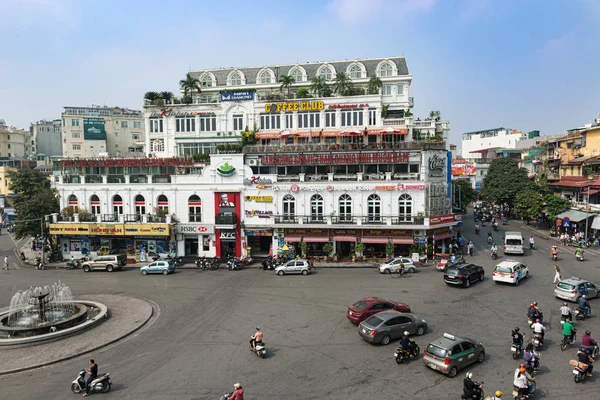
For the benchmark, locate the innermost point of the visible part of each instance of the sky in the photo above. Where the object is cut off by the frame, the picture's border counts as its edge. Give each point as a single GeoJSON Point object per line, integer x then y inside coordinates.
{"type": "Point", "coordinates": [519, 64]}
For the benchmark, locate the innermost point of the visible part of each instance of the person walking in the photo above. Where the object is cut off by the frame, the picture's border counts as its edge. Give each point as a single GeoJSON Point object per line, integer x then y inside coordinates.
{"type": "Point", "coordinates": [557, 275]}
{"type": "Point", "coordinates": [470, 248]}
{"type": "Point", "coordinates": [5, 263]}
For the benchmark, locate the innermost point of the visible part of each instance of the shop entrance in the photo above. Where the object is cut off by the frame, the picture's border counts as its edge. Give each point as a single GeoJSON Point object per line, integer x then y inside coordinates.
{"type": "Point", "coordinates": [344, 250]}
{"type": "Point", "coordinates": [227, 248]}
{"type": "Point", "coordinates": [191, 247]}
{"type": "Point", "coordinates": [260, 245]}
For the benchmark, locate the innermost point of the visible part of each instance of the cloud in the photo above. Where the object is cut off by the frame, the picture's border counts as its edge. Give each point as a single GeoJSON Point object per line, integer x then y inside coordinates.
{"type": "Point", "coordinates": [352, 11]}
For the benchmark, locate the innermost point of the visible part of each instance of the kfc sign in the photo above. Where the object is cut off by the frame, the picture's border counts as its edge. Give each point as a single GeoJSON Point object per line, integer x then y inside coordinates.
{"type": "Point", "coordinates": [441, 219]}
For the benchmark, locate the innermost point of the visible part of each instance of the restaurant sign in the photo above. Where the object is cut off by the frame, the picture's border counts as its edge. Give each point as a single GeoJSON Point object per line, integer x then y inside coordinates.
{"type": "Point", "coordinates": [147, 229]}
{"type": "Point", "coordinates": [259, 199]}
{"type": "Point", "coordinates": [335, 158]}
{"type": "Point", "coordinates": [258, 213]}
{"type": "Point", "coordinates": [441, 219]}
{"type": "Point", "coordinates": [294, 106]}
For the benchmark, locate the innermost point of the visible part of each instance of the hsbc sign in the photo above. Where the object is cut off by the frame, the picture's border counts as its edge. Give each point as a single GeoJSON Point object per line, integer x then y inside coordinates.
{"type": "Point", "coordinates": [194, 229]}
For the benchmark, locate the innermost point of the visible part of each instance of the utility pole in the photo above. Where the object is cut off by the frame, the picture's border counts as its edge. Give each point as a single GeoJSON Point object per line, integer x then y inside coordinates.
{"type": "Point", "coordinates": [587, 208]}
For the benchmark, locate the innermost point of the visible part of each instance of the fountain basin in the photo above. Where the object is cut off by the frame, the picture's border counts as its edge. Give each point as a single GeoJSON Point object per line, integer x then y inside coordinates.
{"type": "Point", "coordinates": [80, 315]}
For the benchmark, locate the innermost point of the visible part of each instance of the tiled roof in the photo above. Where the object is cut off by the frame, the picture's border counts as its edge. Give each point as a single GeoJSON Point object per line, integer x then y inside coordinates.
{"type": "Point", "coordinates": [311, 68]}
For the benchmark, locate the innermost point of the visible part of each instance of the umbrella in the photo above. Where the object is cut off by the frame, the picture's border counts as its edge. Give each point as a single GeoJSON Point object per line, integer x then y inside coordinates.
{"type": "Point", "coordinates": [390, 129]}
{"type": "Point", "coordinates": [286, 133]}
{"type": "Point", "coordinates": [352, 131]}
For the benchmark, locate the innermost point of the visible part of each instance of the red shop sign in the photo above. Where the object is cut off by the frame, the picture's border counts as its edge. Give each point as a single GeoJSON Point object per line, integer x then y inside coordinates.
{"type": "Point", "coordinates": [441, 219]}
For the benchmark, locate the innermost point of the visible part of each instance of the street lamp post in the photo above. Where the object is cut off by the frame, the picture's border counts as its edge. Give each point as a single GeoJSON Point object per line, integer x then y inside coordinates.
{"type": "Point", "coordinates": [587, 208]}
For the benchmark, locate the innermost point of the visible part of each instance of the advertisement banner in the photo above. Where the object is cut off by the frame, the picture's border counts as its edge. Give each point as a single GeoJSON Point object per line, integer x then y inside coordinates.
{"type": "Point", "coordinates": [147, 229]}
{"type": "Point", "coordinates": [441, 219]}
{"type": "Point", "coordinates": [69, 229]}
{"type": "Point", "coordinates": [195, 228]}
{"type": "Point", "coordinates": [463, 169]}
{"type": "Point", "coordinates": [94, 129]}
{"type": "Point", "coordinates": [106, 229]}
{"type": "Point", "coordinates": [237, 96]}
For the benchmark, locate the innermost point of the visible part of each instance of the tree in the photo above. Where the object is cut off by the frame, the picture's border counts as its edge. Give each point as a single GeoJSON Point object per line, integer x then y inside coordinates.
{"type": "Point", "coordinates": [554, 206]}
{"type": "Point", "coordinates": [529, 203]}
{"type": "Point", "coordinates": [166, 96]}
{"type": "Point", "coordinates": [33, 200]}
{"type": "Point", "coordinates": [504, 181]}
{"type": "Point", "coordinates": [303, 93]}
{"type": "Point", "coordinates": [408, 113]}
{"type": "Point", "coordinates": [152, 97]}
{"type": "Point", "coordinates": [286, 83]}
{"type": "Point", "coordinates": [318, 85]}
{"type": "Point", "coordinates": [436, 115]}
{"type": "Point", "coordinates": [189, 84]}
{"type": "Point", "coordinates": [374, 85]}
{"type": "Point", "coordinates": [463, 191]}
{"type": "Point", "coordinates": [342, 83]}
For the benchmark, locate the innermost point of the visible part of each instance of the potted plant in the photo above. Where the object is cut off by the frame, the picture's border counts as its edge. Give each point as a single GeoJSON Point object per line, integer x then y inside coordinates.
{"type": "Point", "coordinates": [389, 249]}
{"type": "Point", "coordinates": [327, 249]}
{"type": "Point", "coordinates": [68, 212]}
{"type": "Point", "coordinates": [335, 256]}
{"type": "Point", "coordinates": [359, 250]}
{"type": "Point", "coordinates": [303, 249]}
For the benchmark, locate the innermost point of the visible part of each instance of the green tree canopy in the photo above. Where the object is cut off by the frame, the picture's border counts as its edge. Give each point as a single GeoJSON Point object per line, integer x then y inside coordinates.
{"type": "Point", "coordinates": [463, 192]}
{"type": "Point", "coordinates": [374, 85]}
{"type": "Point", "coordinates": [529, 203]}
{"type": "Point", "coordinates": [342, 83]}
{"type": "Point", "coordinates": [555, 205]}
{"type": "Point", "coordinates": [504, 181]}
{"type": "Point", "coordinates": [33, 200]}
{"type": "Point", "coordinates": [286, 83]}
{"type": "Point", "coordinates": [189, 84]}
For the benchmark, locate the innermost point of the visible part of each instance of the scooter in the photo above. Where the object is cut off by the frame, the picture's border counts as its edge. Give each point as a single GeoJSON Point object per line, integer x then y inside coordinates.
{"type": "Point", "coordinates": [537, 341]}
{"type": "Point", "coordinates": [73, 265]}
{"type": "Point", "coordinates": [39, 264]}
{"type": "Point", "coordinates": [402, 355]}
{"type": "Point", "coordinates": [566, 342]}
{"type": "Point", "coordinates": [490, 239]}
{"type": "Point", "coordinates": [528, 395]}
{"type": "Point", "coordinates": [101, 384]}
{"type": "Point", "coordinates": [581, 315]}
{"type": "Point", "coordinates": [260, 349]}
{"type": "Point", "coordinates": [554, 257]}
{"type": "Point", "coordinates": [494, 254]}
{"type": "Point", "coordinates": [579, 372]}
{"type": "Point", "coordinates": [516, 350]}
{"type": "Point", "coordinates": [579, 256]}
{"type": "Point", "coordinates": [233, 264]}
{"type": "Point", "coordinates": [495, 226]}
{"type": "Point", "coordinates": [477, 392]}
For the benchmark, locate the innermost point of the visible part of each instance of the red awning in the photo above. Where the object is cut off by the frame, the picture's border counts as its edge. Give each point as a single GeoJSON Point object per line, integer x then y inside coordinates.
{"type": "Point", "coordinates": [292, 239]}
{"type": "Point", "coordinates": [443, 236]}
{"type": "Point", "coordinates": [374, 240]}
{"type": "Point", "coordinates": [330, 133]}
{"type": "Point", "coordinates": [352, 131]}
{"type": "Point", "coordinates": [287, 132]}
{"type": "Point", "coordinates": [394, 130]}
{"type": "Point", "coordinates": [316, 239]}
{"type": "Point", "coordinates": [403, 241]}
{"type": "Point", "coordinates": [267, 135]}
{"type": "Point", "coordinates": [344, 239]}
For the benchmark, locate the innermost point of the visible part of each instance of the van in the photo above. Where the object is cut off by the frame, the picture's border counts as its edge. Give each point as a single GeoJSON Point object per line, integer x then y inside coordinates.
{"type": "Point", "coordinates": [514, 243]}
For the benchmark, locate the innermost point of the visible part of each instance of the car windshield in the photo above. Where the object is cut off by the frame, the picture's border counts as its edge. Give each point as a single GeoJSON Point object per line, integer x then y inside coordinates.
{"type": "Point", "coordinates": [514, 242]}
{"type": "Point", "coordinates": [373, 321]}
{"type": "Point", "coordinates": [503, 269]}
{"type": "Point", "coordinates": [452, 271]}
{"type": "Point", "coordinates": [566, 286]}
{"type": "Point", "coordinates": [436, 351]}
{"type": "Point", "coordinates": [360, 305]}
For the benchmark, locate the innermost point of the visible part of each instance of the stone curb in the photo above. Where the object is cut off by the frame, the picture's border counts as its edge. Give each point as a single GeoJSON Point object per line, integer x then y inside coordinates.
{"type": "Point", "coordinates": [155, 312]}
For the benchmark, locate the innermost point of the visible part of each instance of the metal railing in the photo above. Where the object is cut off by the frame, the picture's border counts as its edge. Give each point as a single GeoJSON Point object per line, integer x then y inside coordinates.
{"type": "Point", "coordinates": [288, 178]}
{"type": "Point", "coordinates": [373, 220]}
{"type": "Point", "coordinates": [93, 179]}
{"type": "Point", "coordinates": [344, 219]}
{"type": "Point", "coordinates": [221, 219]}
{"type": "Point", "coordinates": [138, 178]}
{"type": "Point", "coordinates": [408, 220]}
{"type": "Point", "coordinates": [287, 219]}
{"type": "Point", "coordinates": [157, 218]}
{"type": "Point", "coordinates": [314, 147]}
{"type": "Point", "coordinates": [132, 217]}
{"type": "Point", "coordinates": [87, 218]}
{"type": "Point", "coordinates": [161, 178]}
{"type": "Point", "coordinates": [115, 178]}
{"type": "Point", "coordinates": [314, 219]}
{"type": "Point", "coordinates": [109, 218]}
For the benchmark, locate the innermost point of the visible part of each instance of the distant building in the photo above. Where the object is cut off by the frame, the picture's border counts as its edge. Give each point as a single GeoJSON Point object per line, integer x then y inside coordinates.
{"type": "Point", "coordinates": [14, 142]}
{"type": "Point", "coordinates": [47, 138]}
{"type": "Point", "coordinates": [474, 143]}
{"type": "Point", "coordinates": [98, 131]}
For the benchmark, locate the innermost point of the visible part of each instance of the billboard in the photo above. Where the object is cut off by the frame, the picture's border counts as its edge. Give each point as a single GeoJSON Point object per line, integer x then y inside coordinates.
{"type": "Point", "coordinates": [237, 96]}
{"type": "Point", "coordinates": [464, 169]}
{"type": "Point", "coordinates": [94, 129]}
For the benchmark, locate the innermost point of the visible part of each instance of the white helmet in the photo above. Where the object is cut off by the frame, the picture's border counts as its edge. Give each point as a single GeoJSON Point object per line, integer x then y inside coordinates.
{"type": "Point", "coordinates": [469, 375]}
{"type": "Point", "coordinates": [406, 333]}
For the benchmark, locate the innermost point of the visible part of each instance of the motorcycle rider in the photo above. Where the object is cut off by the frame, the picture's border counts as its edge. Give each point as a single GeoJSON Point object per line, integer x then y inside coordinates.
{"type": "Point", "coordinates": [494, 249]}
{"type": "Point", "coordinates": [539, 329]}
{"type": "Point", "coordinates": [470, 389]}
{"type": "Point", "coordinates": [517, 337]}
{"type": "Point", "coordinates": [256, 338]}
{"type": "Point", "coordinates": [238, 393]}
{"type": "Point", "coordinates": [538, 311]}
{"type": "Point", "coordinates": [497, 395]}
{"type": "Point", "coordinates": [578, 251]}
{"type": "Point", "coordinates": [565, 312]}
{"type": "Point", "coordinates": [584, 306]}
{"type": "Point", "coordinates": [477, 229]}
{"type": "Point", "coordinates": [405, 343]}
{"type": "Point", "coordinates": [92, 372]}
{"type": "Point", "coordinates": [521, 380]}
{"type": "Point", "coordinates": [584, 357]}
{"type": "Point", "coordinates": [588, 343]}
{"type": "Point", "coordinates": [490, 238]}
{"type": "Point", "coordinates": [569, 330]}
{"type": "Point", "coordinates": [531, 242]}
{"type": "Point", "coordinates": [531, 357]}
{"type": "Point", "coordinates": [534, 312]}
{"type": "Point", "coordinates": [554, 251]}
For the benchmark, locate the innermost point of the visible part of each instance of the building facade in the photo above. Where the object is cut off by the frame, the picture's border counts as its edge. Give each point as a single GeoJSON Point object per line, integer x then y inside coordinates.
{"type": "Point", "coordinates": [47, 137]}
{"type": "Point", "coordinates": [14, 142]}
{"type": "Point", "coordinates": [99, 131]}
{"type": "Point", "coordinates": [473, 143]}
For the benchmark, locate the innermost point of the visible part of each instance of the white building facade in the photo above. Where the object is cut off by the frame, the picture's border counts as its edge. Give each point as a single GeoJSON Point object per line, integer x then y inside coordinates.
{"type": "Point", "coordinates": [47, 137]}
{"type": "Point", "coordinates": [474, 143]}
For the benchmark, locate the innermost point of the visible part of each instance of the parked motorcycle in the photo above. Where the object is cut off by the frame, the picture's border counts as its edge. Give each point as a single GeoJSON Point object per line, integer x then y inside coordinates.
{"type": "Point", "coordinates": [177, 261]}
{"type": "Point", "coordinates": [73, 264]}
{"type": "Point", "coordinates": [260, 349]}
{"type": "Point", "coordinates": [101, 384]}
{"type": "Point", "coordinates": [234, 264]}
{"type": "Point", "coordinates": [402, 355]}
{"type": "Point", "coordinates": [566, 342]}
{"type": "Point", "coordinates": [268, 263]}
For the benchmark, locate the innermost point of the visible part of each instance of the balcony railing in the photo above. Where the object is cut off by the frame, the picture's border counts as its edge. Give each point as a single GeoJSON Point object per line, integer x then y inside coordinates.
{"type": "Point", "coordinates": [315, 177]}
{"type": "Point", "coordinates": [65, 218]}
{"type": "Point", "coordinates": [314, 219]}
{"type": "Point", "coordinates": [109, 218]}
{"type": "Point", "coordinates": [161, 178]}
{"type": "Point", "coordinates": [71, 179]}
{"type": "Point", "coordinates": [132, 217]}
{"type": "Point", "coordinates": [287, 219]}
{"type": "Point", "coordinates": [395, 121]}
{"type": "Point", "coordinates": [408, 220]}
{"type": "Point", "coordinates": [344, 219]}
{"type": "Point", "coordinates": [221, 219]}
{"type": "Point", "coordinates": [138, 178]}
{"type": "Point", "coordinates": [345, 177]}
{"type": "Point", "coordinates": [87, 218]}
{"type": "Point", "coordinates": [374, 177]}
{"type": "Point", "coordinates": [315, 147]}
{"type": "Point", "coordinates": [93, 179]}
{"type": "Point", "coordinates": [288, 178]}
{"type": "Point", "coordinates": [115, 178]}
{"type": "Point", "coordinates": [160, 219]}
{"type": "Point", "coordinates": [373, 220]}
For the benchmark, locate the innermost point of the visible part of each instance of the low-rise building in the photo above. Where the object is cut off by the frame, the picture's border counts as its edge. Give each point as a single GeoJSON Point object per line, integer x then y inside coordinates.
{"type": "Point", "coordinates": [14, 142]}
{"type": "Point", "coordinates": [47, 137]}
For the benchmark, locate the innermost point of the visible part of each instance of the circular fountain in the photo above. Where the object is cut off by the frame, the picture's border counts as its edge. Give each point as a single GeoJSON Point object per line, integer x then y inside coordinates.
{"type": "Point", "coordinates": [49, 312]}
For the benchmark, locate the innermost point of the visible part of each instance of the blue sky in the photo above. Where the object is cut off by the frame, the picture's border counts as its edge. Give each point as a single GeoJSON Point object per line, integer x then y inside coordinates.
{"type": "Point", "coordinates": [522, 64]}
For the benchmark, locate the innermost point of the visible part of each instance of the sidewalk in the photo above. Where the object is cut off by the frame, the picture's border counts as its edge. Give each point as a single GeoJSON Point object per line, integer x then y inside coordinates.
{"type": "Point", "coordinates": [545, 234]}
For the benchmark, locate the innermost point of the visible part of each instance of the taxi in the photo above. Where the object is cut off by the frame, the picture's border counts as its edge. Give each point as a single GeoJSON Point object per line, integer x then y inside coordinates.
{"type": "Point", "coordinates": [510, 271]}
{"type": "Point", "coordinates": [448, 354]}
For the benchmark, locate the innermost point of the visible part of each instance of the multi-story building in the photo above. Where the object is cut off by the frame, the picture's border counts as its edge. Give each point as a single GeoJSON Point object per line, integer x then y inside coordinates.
{"type": "Point", "coordinates": [102, 131]}
{"type": "Point", "coordinates": [14, 142]}
{"type": "Point", "coordinates": [47, 137]}
{"type": "Point", "coordinates": [473, 143]}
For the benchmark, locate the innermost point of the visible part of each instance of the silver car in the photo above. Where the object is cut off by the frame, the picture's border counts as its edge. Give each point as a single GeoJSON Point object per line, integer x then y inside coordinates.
{"type": "Point", "coordinates": [387, 325]}
{"type": "Point", "coordinates": [573, 288]}
{"type": "Point", "coordinates": [294, 267]}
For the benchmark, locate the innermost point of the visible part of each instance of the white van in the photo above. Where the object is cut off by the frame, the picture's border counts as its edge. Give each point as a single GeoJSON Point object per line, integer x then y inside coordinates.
{"type": "Point", "coordinates": [514, 243]}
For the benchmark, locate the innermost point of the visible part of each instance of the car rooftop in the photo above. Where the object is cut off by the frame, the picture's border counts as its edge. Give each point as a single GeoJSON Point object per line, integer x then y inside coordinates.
{"type": "Point", "coordinates": [574, 280]}
{"type": "Point", "coordinates": [445, 340]}
{"type": "Point", "coordinates": [508, 262]}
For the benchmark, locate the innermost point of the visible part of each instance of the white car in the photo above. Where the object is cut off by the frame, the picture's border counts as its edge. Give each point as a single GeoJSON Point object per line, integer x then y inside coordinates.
{"type": "Point", "coordinates": [294, 267]}
{"type": "Point", "coordinates": [510, 272]}
{"type": "Point", "coordinates": [393, 265]}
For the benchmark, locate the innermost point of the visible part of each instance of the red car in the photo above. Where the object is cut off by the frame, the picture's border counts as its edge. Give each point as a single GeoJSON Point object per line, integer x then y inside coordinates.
{"type": "Point", "coordinates": [368, 306]}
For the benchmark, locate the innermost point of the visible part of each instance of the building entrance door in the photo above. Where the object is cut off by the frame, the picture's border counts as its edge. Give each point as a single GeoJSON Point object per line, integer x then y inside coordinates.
{"type": "Point", "coordinates": [191, 247]}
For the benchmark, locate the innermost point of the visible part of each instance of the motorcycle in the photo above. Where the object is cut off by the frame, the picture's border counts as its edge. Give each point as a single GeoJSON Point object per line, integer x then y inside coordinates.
{"type": "Point", "coordinates": [495, 226]}
{"type": "Point", "coordinates": [477, 392]}
{"type": "Point", "coordinates": [73, 264]}
{"type": "Point", "coordinates": [566, 342]}
{"type": "Point", "coordinates": [246, 261]}
{"type": "Point", "coordinates": [554, 257]}
{"type": "Point", "coordinates": [494, 254]}
{"type": "Point", "coordinates": [537, 341]}
{"type": "Point", "coordinates": [490, 239]}
{"type": "Point", "coordinates": [581, 315]}
{"type": "Point", "coordinates": [477, 229]}
{"type": "Point", "coordinates": [579, 256]}
{"type": "Point", "coordinates": [39, 264]}
{"type": "Point", "coordinates": [516, 350]}
{"type": "Point", "coordinates": [268, 264]}
{"type": "Point", "coordinates": [177, 261]}
{"type": "Point", "coordinates": [530, 321]}
{"type": "Point", "coordinates": [260, 349]}
{"type": "Point", "coordinates": [234, 264]}
{"type": "Point", "coordinates": [225, 396]}
{"type": "Point", "coordinates": [101, 384]}
{"type": "Point", "coordinates": [525, 396]}
{"type": "Point", "coordinates": [579, 372]}
{"type": "Point", "coordinates": [402, 355]}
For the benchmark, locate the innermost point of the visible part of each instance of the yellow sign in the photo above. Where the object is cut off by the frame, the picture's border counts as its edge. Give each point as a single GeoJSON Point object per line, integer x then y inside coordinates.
{"type": "Point", "coordinates": [260, 199]}
{"type": "Point", "coordinates": [295, 106]}
{"type": "Point", "coordinates": [147, 229]}
{"type": "Point", "coordinates": [69, 229]}
{"type": "Point", "coordinates": [106, 229]}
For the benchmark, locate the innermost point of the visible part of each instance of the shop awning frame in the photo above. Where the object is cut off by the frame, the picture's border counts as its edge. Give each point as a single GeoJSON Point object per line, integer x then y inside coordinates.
{"type": "Point", "coordinates": [316, 239]}
{"type": "Point", "coordinates": [292, 239]}
{"type": "Point", "coordinates": [443, 236]}
{"type": "Point", "coordinates": [344, 238]}
{"type": "Point", "coordinates": [574, 215]}
{"type": "Point", "coordinates": [596, 222]}
{"type": "Point", "coordinates": [375, 240]}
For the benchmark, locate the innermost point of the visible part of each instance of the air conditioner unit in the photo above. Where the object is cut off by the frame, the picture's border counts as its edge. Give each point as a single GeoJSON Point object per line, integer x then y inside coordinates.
{"type": "Point", "coordinates": [418, 233]}
{"type": "Point", "coordinates": [253, 161]}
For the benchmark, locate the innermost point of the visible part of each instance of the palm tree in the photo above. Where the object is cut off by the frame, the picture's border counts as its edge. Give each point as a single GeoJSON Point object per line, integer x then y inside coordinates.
{"type": "Point", "coordinates": [151, 96]}
{"type": "Point", "coordinates": [166, 96]}
{"type": "Point", "coordinates": [189, 84]}
{"type": "Point", "coordinates": [318, 85]}
{"type": "Point", "coordinates": [342, 83]}
{"type": "Point", "coordinates": [286, 82]}
{"type": "Point", "coordinates": [374, 85]}
{"type": "Point", "coordinates": [408, 113]}
{"type": "Point", "coordinates": [436, 115]}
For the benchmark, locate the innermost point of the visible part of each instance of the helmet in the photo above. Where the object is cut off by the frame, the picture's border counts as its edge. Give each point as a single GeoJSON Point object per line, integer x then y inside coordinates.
{"type": "Point", "coordinates": [469, 375]}
{"type": "Point", "coordinates": [498, 393]}
{"type": "Point", "coordinates": [587, 332]}
{"type": "Point", "coordinates": [517, 329]}
{"type": "Point", "coordinates": [406, 333]}
{"type": "Point", "coordinates": [535, 303]}
{"type": "Point", "coordinates": [257, 328]}
{"type": "Point", "coordinates": [584, 296]}
{"type": "Point", "coordinates": [522, 365]}
{"type": "Point", "coordinates": [537, 320]}
{"type": "Point", "coordinates": [564, 304]}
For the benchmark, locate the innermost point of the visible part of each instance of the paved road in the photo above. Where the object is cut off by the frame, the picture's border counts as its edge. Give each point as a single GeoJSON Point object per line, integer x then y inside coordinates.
{"type": "Point", "coordinates": [198, 347]}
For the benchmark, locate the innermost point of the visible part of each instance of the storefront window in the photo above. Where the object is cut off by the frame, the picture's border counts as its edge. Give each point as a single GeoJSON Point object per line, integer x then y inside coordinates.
{"type": "Point", "coordinates": [316, 208]}
{"type": "Point", "coordinates": [374, 208]}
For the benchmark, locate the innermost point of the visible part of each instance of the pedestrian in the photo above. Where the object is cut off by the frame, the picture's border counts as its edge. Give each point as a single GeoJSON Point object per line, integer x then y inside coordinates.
{"type": "Point", "coordinates": [5, 263]}
{"type": "Point", "coordinates": [32, 244]}
{"type": "Point", "coordinates": [471, 247]}
{"type": "Point", "coordinates": [557, 275]}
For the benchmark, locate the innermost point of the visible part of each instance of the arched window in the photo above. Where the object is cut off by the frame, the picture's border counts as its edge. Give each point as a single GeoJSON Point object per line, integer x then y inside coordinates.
{"type": "Point", "coordinates": [72, 200]}
{"type": "Point", "coordinates": [162, 203]}
{"type": "Point", "coordinates": [316, 208]}
{"type": "Point", "coordinates": [374, 208]}
{"type": "Point", "coordinates": [386, 70]}
{"type": "Point", "coordinates": [206, 80]}
{"type": "Point", "coordinates": [326, 73]}
{"type": "Point", "coordinates": [405, 208]}
{"type": "Point", "coordinates": [117, 205]}
{"type": "Point", "coordinates": [235, 79]}
{"type": "Point", "coordinates": [140, 205]}
{"type": "Point", "coordinates": [289, 208]}
{"type": "Point", "coordinates": [264, 77]}
{"type": "Point", "coordinates": [296, 73]}
{"type": "Point", "coordinates": [345, 208]}
{"type": "Point", "coordinates": [195, 208]}
{"type": "Point", "coordinates": [95, 205]}
{"type": "Point", "coordinates": [355, 72]}
{"type": "Point", "coordinates": [158, 145]}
